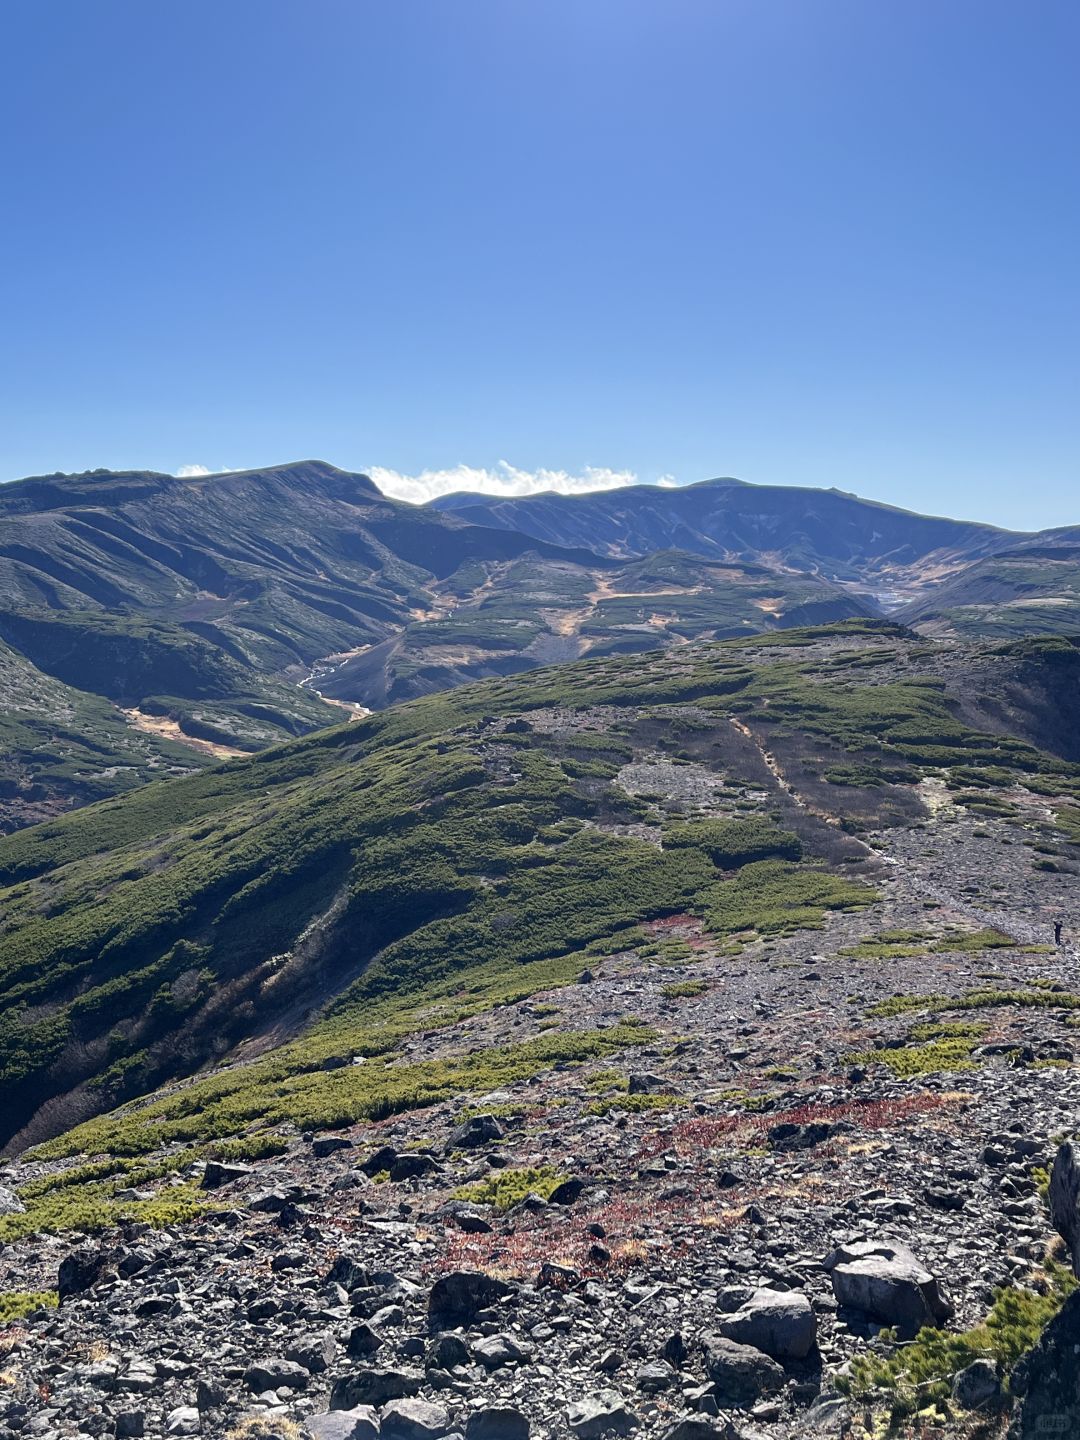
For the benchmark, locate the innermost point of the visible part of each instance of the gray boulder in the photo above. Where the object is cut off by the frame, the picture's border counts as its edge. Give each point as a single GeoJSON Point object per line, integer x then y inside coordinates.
{"type": "Point", "coordinates": [885, 1281]}
{"type": "Point", "coordinates": [1064, 1200]}
{"type": "Point", "coordinates": [741, 1374]}
{"type": "Point", "coordinates": [10, 1204]}
{"type": "Point", "coordinates": [977, 1387]}
{"type": "Point", "coordinates": [781, 1323]}
{"type": "Point", "coordinates": [413, 1420]}
{"type": "Point", "coordinates": [456, 1298]}
{"type": "Point", "coordinates": [359, 1424]}
{"type": "Point", "coordinates": [604, 1413]}
{"type": "Point", "coordinates": [373, 1386]}
{"type": "Point", "coordinates": [497, 1422]}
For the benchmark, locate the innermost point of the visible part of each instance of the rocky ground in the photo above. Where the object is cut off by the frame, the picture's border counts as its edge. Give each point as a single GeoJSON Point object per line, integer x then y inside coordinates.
{"type": "Point", "coordinates": [738, 1205]}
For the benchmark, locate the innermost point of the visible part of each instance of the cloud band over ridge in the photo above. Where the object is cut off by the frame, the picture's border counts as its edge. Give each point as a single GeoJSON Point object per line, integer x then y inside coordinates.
{"type": "Point", "coordinates": [504, 480]}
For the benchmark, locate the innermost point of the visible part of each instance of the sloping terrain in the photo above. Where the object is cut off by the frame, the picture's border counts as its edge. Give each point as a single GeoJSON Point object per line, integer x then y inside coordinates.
{"type": "Point", "coordinates": [891, 553]}
{"type": "Point", "coordinates": [222, 610]}
{"type": "Point", "coordinates": [506, 618]}
{"type": "Point", "coordinates": [61, 747]}
{"type": "Point", "coordinates": [235, 610]}
{"type": "Point", "coordinates": [1030, 589]}
{"type": "Point", "coordinates": [568, 1023]}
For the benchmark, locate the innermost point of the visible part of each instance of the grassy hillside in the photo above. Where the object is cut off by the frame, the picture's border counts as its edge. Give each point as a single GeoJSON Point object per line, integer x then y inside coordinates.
{"type": "Point", "coordinates": [61, 747]}
{"type": "Point", "coordinates": [1034, 590]}
{"type": "Point", "coordinates": [222, 608]}
{"type": "Point", "coordinates": [460, 847]}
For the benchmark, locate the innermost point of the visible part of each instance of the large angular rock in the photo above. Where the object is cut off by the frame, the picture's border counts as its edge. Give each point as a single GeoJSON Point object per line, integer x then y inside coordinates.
{"type": "Point", "coordinates": [977, 1386]}
{"type": "Point", "coordinates": [359, 1424]}
{"type": "Point", "coordinates": [497, 1422]}
{"type": "Point", "coordinates": [276, 1375]}
{"type": "Point", "coordinates": [495, 1351]}
{"type": "Point", "coordinates": [780, 1323]}
{"type": "Point", "coordinates": [10, 1204]}
{"type": "Point", "coordinates": [373, 1386]}
{"type": "Point", "coordinates": [218, 1173]}
{"type": "Point", "coordinates": [476, 1131]}
{"type": "Point", "coordinates": [413, 1420]}
{"type": "Point", "coordinates": [604, 1413]}
{"type": "Point", "coordinates": [885, 1281]}
{"type": "Point", "coordinates": [1045, 1380]}
{"type": "Point", "coordinates": [1064, 1199]}
{"type": "Point", "coordinates": [315, 1353]}
{"type": "Point", "coordinates": [741, 1374]}
{"type": "Point", "coordinates": [457, 1297]}
{"type": "Point", "coordinates": [82, 1270]}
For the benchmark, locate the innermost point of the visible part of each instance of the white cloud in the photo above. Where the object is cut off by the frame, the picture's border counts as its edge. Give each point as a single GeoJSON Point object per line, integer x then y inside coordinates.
{"type": "Point", "coordinates": [192, 472]}
{"type": "Point", "coordinates": [504, 480]}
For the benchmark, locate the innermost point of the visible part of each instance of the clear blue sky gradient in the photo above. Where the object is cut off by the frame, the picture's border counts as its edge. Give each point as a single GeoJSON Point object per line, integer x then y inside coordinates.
{"type": "Point", "coordinates": [824, 242]}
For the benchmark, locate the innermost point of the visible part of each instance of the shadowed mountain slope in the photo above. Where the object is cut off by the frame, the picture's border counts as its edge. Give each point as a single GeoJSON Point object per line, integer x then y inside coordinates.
{"type": "Point", "coordinates": [877, 547]}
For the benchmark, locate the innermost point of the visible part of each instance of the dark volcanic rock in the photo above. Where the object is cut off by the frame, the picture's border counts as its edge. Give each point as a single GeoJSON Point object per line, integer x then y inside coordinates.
{"type": "Point", "coordinates": [497, 1422]}
{"type": "Point", "coordinates": [604, 1413]}
{"type": "Point", "coordinates": [457, 1297]}
{"type": "Point", "coordinates": [1065, 1199]}
{"type": "Point", "coordinates": [779, 1323]}
{"type": "Point", "coordinates": [82, 1270]}
{"type": "Point", "coordinates": [741, 1374]}
{"type": "Point", "coordinates": [371, 1386]}
{"type": "Point", "coordinates": [1045, 1379]}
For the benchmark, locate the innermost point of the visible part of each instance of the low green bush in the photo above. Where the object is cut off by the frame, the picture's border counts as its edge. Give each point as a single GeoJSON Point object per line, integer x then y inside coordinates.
{"type": "Point", "coordinates": [507, 1188]}
{"type": "Point", "coordinates": [918, 1376]}
{"type": "Point", "coordinates": [16, 1304]}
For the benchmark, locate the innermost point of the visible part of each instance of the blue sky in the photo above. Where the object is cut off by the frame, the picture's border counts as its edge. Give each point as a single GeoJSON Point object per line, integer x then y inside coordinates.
{"type": "Point", "coordinates": [821, 242]}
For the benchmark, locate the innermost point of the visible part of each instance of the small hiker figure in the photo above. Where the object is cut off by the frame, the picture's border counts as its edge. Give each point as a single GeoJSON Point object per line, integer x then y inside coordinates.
{"type": "Point", "coordinates": [1057, 932]}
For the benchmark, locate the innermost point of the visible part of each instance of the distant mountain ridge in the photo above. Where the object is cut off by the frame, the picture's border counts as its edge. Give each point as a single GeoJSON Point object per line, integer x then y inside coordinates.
{"type": "Point", "coordinates": [826, 532]}
{"type": "Point", "coordinates": [225, 613]}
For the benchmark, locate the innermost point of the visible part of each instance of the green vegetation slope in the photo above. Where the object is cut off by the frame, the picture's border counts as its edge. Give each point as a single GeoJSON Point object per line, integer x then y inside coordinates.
{"type": "Point", "coordinates": [463, 844]}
